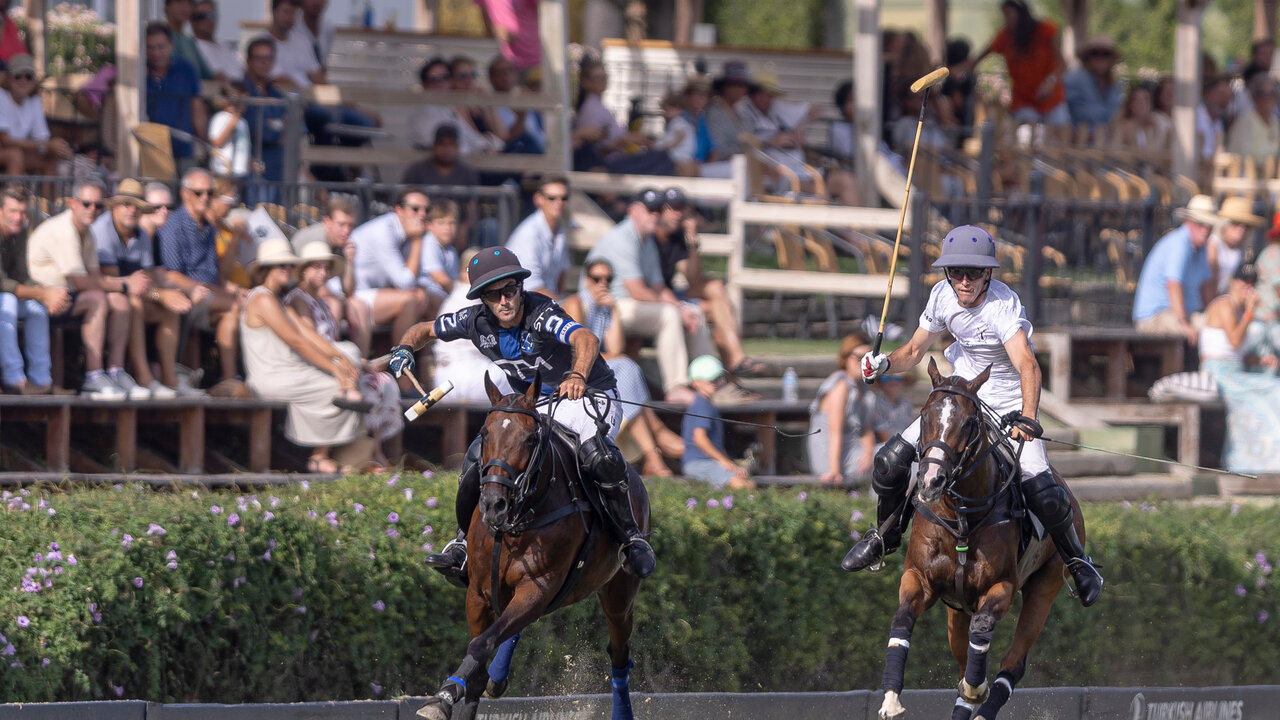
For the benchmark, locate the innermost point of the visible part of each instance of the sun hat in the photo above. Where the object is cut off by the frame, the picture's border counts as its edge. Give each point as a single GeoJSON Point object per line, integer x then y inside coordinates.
{"type": "Point", "coordinates": [273, 252]}
{"type": "Point", "coordinates": [767, 81]}
{"type": "Point", "coordinates": [707, 368]}
{"type": "Point", "coordinates": [1098, 43]}
{"type": "Point", "coordinates": [1200, 209]}
{"type": "Point", "coordinates": [318, 251]}
{"type": "Point", "coordinates": [1240, 210]}
{"type": "Point", "coordinates": [492, 265]}
{"type": "Point", "coordinates": [968, 246]}
{"type": "Point", "coordinates": [21, 63]}
{"type": "Point", "coordinates": [130, 192]}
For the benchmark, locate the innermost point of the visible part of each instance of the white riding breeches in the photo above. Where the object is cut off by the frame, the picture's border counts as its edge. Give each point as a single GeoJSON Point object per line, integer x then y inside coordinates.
{"type": "Point", "coordinates": [574, 414]}
{"type": "Point", "coordinates": [1033, 459]}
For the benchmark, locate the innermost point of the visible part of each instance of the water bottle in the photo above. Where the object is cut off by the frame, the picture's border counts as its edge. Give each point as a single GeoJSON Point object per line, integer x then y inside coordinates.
{"type": "Point", "coordinates": [790, 386]}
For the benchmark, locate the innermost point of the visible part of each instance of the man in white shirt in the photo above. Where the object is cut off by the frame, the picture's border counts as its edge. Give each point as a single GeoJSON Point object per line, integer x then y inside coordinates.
{"type": "Point", "coordinates": [296, 64]}
{"type": "Point", "coordinates": [24, 134]}
{"type": "Point", "coordinates": [1211, 116]}
{"type": "Point", "coordinates": [388, 259]}
{"type": "Point", "coordinates": [991, 330]}
{"type": "Point", "coordinates": [316, 30]}
{"type": "Point", "coordinates": [223, 62]}
{"type": "Point", "coordinates": [539, 241]}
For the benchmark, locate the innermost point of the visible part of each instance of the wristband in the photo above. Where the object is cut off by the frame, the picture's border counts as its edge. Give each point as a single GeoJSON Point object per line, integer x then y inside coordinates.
{"type": "Point", "coordinates": [155, 296]}
{"type": "Point", "coordinates": [572, 373]}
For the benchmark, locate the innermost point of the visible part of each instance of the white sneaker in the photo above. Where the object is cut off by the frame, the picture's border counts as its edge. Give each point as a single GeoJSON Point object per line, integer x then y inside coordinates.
{"type": "Point", "coordinates": [160, 391]}
{"type": "Point", "coordinates": [129, 386]}
{"type": "Point", "coordinates": [185, 390]}
{"type": "Point", "coordinates": [192, 378]}
{"type": "Point", "coordinates": [101, 388]}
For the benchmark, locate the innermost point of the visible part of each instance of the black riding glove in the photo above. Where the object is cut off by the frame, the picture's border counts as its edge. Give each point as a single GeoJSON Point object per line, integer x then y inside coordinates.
{"type": "Point", "coordinates": [1028, 425]}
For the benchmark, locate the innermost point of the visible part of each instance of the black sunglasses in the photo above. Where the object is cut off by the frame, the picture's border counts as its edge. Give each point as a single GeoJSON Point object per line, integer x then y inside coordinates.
{"type": "Point", "coordinates": [95, 205]}
{"type": "Point", "coordinates": [958, 273]}
{"type": "Point", "coordinates": [505, 292]}
{"type": "Point", "coordinates": [600, 278]}
{"type": "Point", "coordinates": [199, 16]}
{"type": "Point", "coordinates": [200, 193]}
{"type": "Point", "coordinates": [437, 78]}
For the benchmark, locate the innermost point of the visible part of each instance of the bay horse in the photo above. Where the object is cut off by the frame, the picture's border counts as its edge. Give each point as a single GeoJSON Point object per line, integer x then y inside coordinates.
{"type": "Point", "coordinates": [964, 550]}
{"type": "Point", "coordinates": [537, 544]}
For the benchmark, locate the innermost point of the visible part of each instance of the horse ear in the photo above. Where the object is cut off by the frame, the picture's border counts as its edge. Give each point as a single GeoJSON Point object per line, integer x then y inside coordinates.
{"type": "Point", "coordinates": [976, 383]}
{"type": "Point", "coordinates": [535, 387]}
{"type": "Point", "coordinates": [934, 375]}
{"type": "Point", "coordinates": [492, 390]}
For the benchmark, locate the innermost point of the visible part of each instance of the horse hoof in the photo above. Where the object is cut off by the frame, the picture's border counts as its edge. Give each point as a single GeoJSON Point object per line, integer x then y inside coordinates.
{"type": "Point", "coordinates": [495, 690]}
{"type": "Point", "coordinates": [434, 709]}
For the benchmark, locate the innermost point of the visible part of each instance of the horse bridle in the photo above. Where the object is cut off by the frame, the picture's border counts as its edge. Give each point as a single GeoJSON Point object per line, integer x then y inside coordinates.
{"type": "Point", "coordinates": [955, 466]}
{"type": "Point", "coordinates": [521, 483]}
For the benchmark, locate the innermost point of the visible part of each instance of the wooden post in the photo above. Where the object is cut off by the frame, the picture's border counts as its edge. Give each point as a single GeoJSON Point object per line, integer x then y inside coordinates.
{"type": "Point", "coordinates": [553, 24]}
{"type": "Point", "coordinates": [1075, 29]}
{"type": "Point", "coordinates": [260, 440]}
{"type": "Point", "coordinates": [868, 70]}
{"type": "Point", "coordinates": [426, 14]}
{"type": "Point", "coordinates": [36, 40]}
{"type": "Point", "coordinates": [1186, 82]}
{"type": "Point", "coordinates": [127, 439]}
{"type": "Point", "coordinates": [737, 237]}
{"type": "Point", "coordinates": [130, 82]}
{"type": "Point", "coordinates": [1264, 20]}
{"type": "Point", "coordinates": [935, 30]}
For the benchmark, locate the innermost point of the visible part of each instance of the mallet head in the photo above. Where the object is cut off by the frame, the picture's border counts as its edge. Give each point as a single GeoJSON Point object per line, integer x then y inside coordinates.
{"type": "Point", "coordinates": [930, 80]}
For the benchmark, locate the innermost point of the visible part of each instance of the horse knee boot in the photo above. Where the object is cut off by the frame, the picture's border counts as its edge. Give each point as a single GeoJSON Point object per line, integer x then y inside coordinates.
{"type": "Point", "coordinates": [604, 463]}
{"type": "Point", "coordinates": [890, 475]}
{"type": "Point", "coordinates": [1050, 502]}
{"type": "Point", "coordinates": [452, 560]}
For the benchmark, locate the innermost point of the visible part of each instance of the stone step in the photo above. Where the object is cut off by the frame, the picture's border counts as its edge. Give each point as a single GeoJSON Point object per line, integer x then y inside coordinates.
{"type": "Point", "coordinates": [1133, 488]}
{"type": "Point", "coordinates": [1078, 463]}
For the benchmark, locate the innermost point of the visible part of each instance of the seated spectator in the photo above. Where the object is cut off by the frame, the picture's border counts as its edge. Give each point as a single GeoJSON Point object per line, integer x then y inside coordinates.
{"type": "Point", "coordinates": [1226, 249]}
{"type": "Point", "coordinates": [26, 147]}
{"type": "Point", "coordinates": [281, 363]}
{"type": "Point", "coordinates": [61, 254]}
{"type": "Point", "coordinates": [189, 253]}
{"type": "Point", "coordinates": [266, 122]}
{"type": "Point", "coordinates": [236, 245]}
{"type": "Point", "coordinates": [176, 15]}
{"type": "Point", "coordinates": [646, 306]}
{"type": "Point", "coordinates": [702, 431]}
{"type": "Point", "coordinates": [316, 30]}
{"type": "Point", "coordinates": [893, 411]}
{"type": "Point", "coordinates": [960, 89]}
{"type": "Point", "coordinates": [1268, 268]}
{"type": "Point", "coordinates": [1139, 127]}
{"type": "Point", "coordinates": [95, 100]}
{"type": "Point", "coordinates": [173, 95]}
{"type": "Point", "coordinates": [22, 300]}
{"type": "Point", "coordinates": [442, 167]}
{"type": "Point", "coordinates": [126, 251]}
{"type": "Point", "coordinates": [842, 441]}
{"type": "Point", "coordinates": [388, 261]}
{"type": "Point", "coordinates": [378, 395]}
{"type": "Point", "coordinates": [1093, 90]}
{"type": "Point", "coordinates": [334, 230]}
{"type": "Point", "coordinates": [679, 140]}
{"type": "Point", "coordinates": [1174, 284]}
{"type": "Point", "coordinates": [1256, 132]}
{"type": "Point", "coordinates": [230, 149]}
{"type": "Point", "coordinates": [159, 196]}
{"type": "Point", "coordinates": [696, 97]}
{"type": "Point", "coordinates": [600, 142]}
{"type": "Point", "coordinates": [520, 130]}
{"type": "Point", "coordinates": [223, 62]}
{"type": "Point", "coordinates": [1211, 116]}
{"type": "Point", "coordinates": [435, 76]}
{"type": "Point", "coordinates": [724, 128]}
{"type": "Point", "coordinates": [539, 240]}
{"type": "Point", "coordinates": [840, 136]}
{"type": "Point", "coordinates": [677, 241]}
{"type": "Point", "coordinates": [439, 256]}
{"type": "Point", "coordinates": [461, 363]}
{"type": "Point", "coordinates": [777, 130]}
{"type": "Point", "coordinates": [593, 307]}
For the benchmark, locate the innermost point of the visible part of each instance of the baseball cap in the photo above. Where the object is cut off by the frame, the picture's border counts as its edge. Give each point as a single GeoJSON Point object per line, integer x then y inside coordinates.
{"type": "Point", "coordinates": [674, 197]}
{"type": "Point", "coordinates": [651, 198]}
{"type": "Point", "coordinates": [706, 367]}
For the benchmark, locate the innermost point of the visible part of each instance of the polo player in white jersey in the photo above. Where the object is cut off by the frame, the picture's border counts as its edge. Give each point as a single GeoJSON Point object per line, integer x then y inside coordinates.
{"type": "Point", "coordinates": [990, 327]}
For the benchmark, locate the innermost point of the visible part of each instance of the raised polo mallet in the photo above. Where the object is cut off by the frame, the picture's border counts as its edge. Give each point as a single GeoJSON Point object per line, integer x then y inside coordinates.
{"type": "Point", "coordinates": [428, 398]}
{"type": "Point", "coordinates": [922, 85]}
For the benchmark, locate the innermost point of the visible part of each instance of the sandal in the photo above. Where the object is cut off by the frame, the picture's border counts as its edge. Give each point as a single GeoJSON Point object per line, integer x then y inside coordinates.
{"type": "Point", "coordinates": [322, 465]}
{"type": "Point", "coordinates": [747, 367]}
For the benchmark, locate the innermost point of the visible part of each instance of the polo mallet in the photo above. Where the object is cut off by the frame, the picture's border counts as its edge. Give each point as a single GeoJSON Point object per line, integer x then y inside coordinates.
{"type": "Point", "coordinates": [428, 398]}
{"type": "Point", "coordinates": [923, 84]}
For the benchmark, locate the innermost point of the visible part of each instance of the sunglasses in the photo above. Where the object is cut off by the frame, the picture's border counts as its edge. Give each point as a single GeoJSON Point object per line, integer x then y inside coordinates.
{"type": "Point", "coordinates": [261, 57]}
{"type": "Point", "coordinates": [960, 273]}
{"type": "Point", "coordinates": [505, 293]}
{"type": "Point", "coordinates": [555, 198]}
{"type": "Point", "coordinates": [160, 209]}
{"type": "Point", "coordinates": [24, 76]}
{"type": "Point", "coordinates": [203, 192]}
{"type": "Point", "coordinates": [600, 278]}
{"type": "Point", "coordinates": [201, 16]}
{"type": "Point", "coordinates": [437, 78]}
{"type": "Point", "coordinates": [95, 205]}
{"type": "Point", "coordinates": [465, 76]}
{"type": "Point", "coordinates": [415, 208]}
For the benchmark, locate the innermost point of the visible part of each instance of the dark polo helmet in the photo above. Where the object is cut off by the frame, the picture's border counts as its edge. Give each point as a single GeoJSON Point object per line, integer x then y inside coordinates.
{"type": "Point", "coordinates": [491, 265]}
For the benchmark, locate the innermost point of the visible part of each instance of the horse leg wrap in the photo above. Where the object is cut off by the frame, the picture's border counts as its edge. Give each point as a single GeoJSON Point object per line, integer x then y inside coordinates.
{"type": "Point", "coordinates": [963, 709]}
{"type": "Point", "coordinates": [1001, 689]}
{"type": "Point", "coordinates": [895, 658]}
{"type": "Point", "coordinates": [981, 628]}
{"type": "Point", "coordinates": [621, 678]}
{"type": "Point", "coordinates": [500, 667]}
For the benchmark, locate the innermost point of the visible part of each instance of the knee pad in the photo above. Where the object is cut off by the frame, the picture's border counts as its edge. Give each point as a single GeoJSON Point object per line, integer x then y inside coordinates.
{"type": "Point", "coordinates": [604, 462]}
{"type": "Point", "coordinates": [468, 485]}
{"type": "Point", "coordinates": [1047, 499]}
{"type": "Point", "coordinates": [892, 466]}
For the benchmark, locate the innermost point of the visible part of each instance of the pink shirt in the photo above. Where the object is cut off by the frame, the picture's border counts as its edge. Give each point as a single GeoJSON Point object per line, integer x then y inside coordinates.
{"type": "Point", "coordinates": [520, 19]}
{"type": "Point", "coordinates": [11, 44]}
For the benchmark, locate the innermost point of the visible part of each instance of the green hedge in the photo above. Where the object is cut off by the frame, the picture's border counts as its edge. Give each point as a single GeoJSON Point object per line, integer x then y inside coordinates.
{"type": "Point", "coordinates": [319, 592]}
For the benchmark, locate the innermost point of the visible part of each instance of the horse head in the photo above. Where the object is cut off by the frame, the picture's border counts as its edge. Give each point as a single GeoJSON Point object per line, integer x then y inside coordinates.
{"type": "Point", "coordinates": [951, 432]}
{"type": "Point", "coordinates": [510, 451]}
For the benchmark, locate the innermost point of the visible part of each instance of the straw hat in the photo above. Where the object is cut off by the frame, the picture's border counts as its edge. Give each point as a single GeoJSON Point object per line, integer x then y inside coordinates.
{"type": "Point", "coordinates": [1098, 43]}
{"type": "Point", "coordinates": [130, 192]}
{"type": "Point", "coordinates": [1199, 209]}
{"type": "Point", "coordinates": [318, 251]}
{"type": "Point", "coordinates": [698, 83]}
{"type": "Point", "coordinates": [1240, 210]}
{"type": "Point", "coordinates": [273, 252]}
{"type": "Point", "coordinates": [767, 81]}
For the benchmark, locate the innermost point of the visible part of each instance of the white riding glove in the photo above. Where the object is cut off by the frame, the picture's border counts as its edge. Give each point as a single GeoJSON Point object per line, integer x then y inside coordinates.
{"type": "Point", "coordinates": [874, 365]}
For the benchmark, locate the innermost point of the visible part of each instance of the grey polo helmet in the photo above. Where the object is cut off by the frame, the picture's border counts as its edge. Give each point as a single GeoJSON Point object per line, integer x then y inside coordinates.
{"type": "Point", "coordinates": [968, 246]}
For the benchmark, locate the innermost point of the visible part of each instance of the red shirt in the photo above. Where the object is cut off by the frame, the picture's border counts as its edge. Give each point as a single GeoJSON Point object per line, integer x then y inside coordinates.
{"type": "Point", "coordinates": [10, 42]}
{"type": "Point", "coordinates": [1027, 70]}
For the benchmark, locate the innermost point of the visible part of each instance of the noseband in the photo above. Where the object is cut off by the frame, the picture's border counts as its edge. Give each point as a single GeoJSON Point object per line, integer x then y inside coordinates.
{"type": "Point", "coordinates": [954, 465]}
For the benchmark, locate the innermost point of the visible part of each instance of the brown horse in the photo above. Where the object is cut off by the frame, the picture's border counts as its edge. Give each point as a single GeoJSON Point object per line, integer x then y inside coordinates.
{"type": "Point", "coordinates": [537, 545]}
{"type": "Point", "coordinates": [964, 551]}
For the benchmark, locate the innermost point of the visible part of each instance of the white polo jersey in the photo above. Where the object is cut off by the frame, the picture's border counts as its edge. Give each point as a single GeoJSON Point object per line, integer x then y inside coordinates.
{"type": "Point", "coordinates": [980, 334]}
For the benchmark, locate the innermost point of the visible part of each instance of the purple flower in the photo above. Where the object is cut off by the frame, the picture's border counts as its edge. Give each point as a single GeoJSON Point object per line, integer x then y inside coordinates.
{"type": "Point", "coordinates": [1240, 591]}
{"type": "Point", "coordinates": [428, 530]}
{"type": "Point", "coordinates": [45, 662]}
{"type": "Point", "coordinates": [727, 502]}
{"type": "Point", "coordinates": [266, 556]}
{"type": "Point", "coordinates": [332, 517]}
{"type": "Point", "coordinates": [428, 473]}
{"type": "Point", "coordinates": [268, 516]}
{"type": "Point", "coordinates": [271, 543]}
{"type": "Point", "coordinates": [274, 501]}
{"type": "Point", "coordinates": [392, 533]}
{"type": "Point", "coordinates": [9, 650]}
{"type": "Point", "coordinates": [1262, 616]}
{"type": "Point", "coordinates": [1126, 505]}
{"type": "Point", "coordinates": [854, 534]}
{"type": "Point", "coordinates": [118, 690]}
{"type": "Point", "coordinates": [1260, 558]}
{"type": "Point", "coordinates": [802, 496]}
{"type": "Point", "coordinates": [395, 478]}
{"type": "Point", "coordinates": [432, 502]}
{"type": "Point", "coordinates": [52, 512]}
{"type": "Point", "coordinates": [302, 610]}
{"type": "Point", "coordinates": [393, 517]}
{"type": "Point", "coordinates": [24, 621]}
{"type": "Point", "coordinates": [379, 606]}
{"type": "Point", "coordinates": [376, 688]}
{"type": "Point", "coordinates": [311, 514]}
{"type": "Point", "coordinates": [408, 493]}
{"type": "Point", "coordinates": [306, 484]}
{"type": "Point", "coordinates": [856, 516]}
{"type": "Point", "coordinates": [233, 519]}
{"type": "Point", "coordinates": [72, 561]}
{"type": "Point", "coordinates": [359, 508]}
{"type": "Point", "coordinates": [127, 542]}
{"type": "Point", "coordinates": [713, 503]}
{"type": "Point", "coordinates": [297, 593]}
{"type": "Point", "coordinates": [54, 546]}
{"type": "Point", "coordinates": [690, 504]}
{"type": "Point", "coordinates": [428, 547]}
{"type": "Point", "coordinates": [137, 582]}
{"type": "Point", "coordinates": [1235, 508]}
{"type": "Point", "coordinates": [215, 510]}
{"type": "Point", "coordinates": [154, 529]}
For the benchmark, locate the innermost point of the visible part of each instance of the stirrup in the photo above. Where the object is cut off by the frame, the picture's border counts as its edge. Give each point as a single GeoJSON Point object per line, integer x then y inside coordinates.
{"type": "Point", "coordinates": [873, 535]}
{"type": "Point", "coordinates": [638, 544]}
{"type": "Point", "coordinates": [1085, 564]}
{"type": "Point", "coordinates": [444, 558]}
